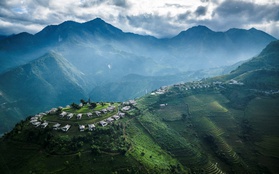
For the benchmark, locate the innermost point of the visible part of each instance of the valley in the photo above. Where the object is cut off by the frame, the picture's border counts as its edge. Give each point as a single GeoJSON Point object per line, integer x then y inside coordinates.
{"type": "Point", "coordinates": [93, 99]}
{"type": "Point", "coordinates": [65, 62]}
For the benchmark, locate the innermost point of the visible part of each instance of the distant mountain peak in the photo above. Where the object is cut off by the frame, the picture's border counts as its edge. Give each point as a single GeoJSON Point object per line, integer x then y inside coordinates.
{"type": "Point", "coordinates": [200, 27]}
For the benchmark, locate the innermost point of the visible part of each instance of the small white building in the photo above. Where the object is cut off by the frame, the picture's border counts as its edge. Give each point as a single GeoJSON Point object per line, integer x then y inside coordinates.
{"type": "Point", "coordinates": [103, 123]}
{"type": "Point", "coordinates": [98, 113]}
{"type": "Point", "coordinates": [104, 111]}
{"type": "Point", "coordinates": [126, 108]}
{"type": "Point", "coordinates": [79, 116]}
{"type": "Point", "coordinates": [37, 123]}
{"type": "Point", "coordinates": [63, 114]}
{"type": "Point", "coordinates": [70, 115]}
{"type": "Point", "coordinates": [56, 126]}
{"type": "Point", "coordinates": [111, 108]}
{"type": "Point", "coordinates": [91, 127]}
{"type": "Point", "coordinates": [116, 117]}
{"type": "Point", "coordinates": [110, 120]}
{"type": "Point", "coordinates": [132, 102]}
{"type": "Point", "coordinates": [121, 114]}
{"type": "Point", "coordinates": [66, 128]}
{"type": "Point", "coordinates": [89, 114]}
{"type": "Point", "coordinates": [53, 110]}
{"type": "Point", "coordinates": [44, 125]}
{"type": "Point", "coordinates": [81, 128]}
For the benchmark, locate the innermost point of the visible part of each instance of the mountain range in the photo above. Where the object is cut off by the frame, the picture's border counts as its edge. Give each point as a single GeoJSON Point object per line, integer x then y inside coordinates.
{"type": "Point", "coordinates": [223, 124]}
{"type": "Point", "coordinates": [65, 62]}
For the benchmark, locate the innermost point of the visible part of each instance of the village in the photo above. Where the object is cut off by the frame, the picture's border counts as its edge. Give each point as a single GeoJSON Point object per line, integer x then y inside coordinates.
{"type": "Point", "coordinates": [110, 112]}
{"type": "Point", "coordinates": [102, 115]}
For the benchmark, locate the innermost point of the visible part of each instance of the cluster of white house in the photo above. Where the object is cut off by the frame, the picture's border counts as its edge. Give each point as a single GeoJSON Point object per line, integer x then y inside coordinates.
{"type": "Point", "coordinates": [160, 91]}
{"type": "Point", "coordinates": [193, 85]}
{"type": "Point", "coordinates": [37, 119]}
{"type": "Point", "coordinates": [196, 85]}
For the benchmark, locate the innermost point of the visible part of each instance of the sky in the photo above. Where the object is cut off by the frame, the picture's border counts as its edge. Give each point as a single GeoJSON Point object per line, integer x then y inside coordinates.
{"type": "Point", "coordinates": [159, 18]}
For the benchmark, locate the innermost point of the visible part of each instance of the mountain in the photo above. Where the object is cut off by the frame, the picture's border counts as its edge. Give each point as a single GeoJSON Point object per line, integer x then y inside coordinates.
{"type": "Point", "coordinates": [39, 85]}
{"type": "Point", "coordinates": [93, 37]}
{"type": "Point", "coordinates": [2, 37]}
{"type": "Point", "coordinates": [215, 125]}
{"type": "Point", "coordinates": [134, 86]}
{"type": "Point", "coordinates": [261, 71]}
{"type": "Point", "coordinates": [215, 48]}
{"type": "Point", "coordinates": [100, 58]}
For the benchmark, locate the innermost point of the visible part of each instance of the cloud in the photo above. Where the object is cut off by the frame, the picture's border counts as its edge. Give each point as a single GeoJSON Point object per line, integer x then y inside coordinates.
{"type": "Point", "coordinates": [158, 18]}
{"type": "Point", "coordinates": [153, 24]}
{"type": "Point", "coordinates": [120, 3]}
{"type": "Point", "coordinates": [249, 12]}
{"type": "Point", "coordinates": [201, 11]}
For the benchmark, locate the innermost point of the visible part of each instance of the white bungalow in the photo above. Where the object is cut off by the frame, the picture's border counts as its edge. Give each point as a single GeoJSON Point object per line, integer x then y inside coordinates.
{"type": "Point", "coordinates": [44, 125]}
{"type": "Point", "coordinates": [121, 114]}
{"type": "Point", "coordinates": [103, 123]}
{"type": "Point", "coordinates": [98, 113]}
{"type": "Point", "coordinates": [81, 128]}
{"type": "Point", "coordinates": [109, 120]}
{"type": "Point", "coordinates": [34, 118]}
{"type": "Point", "coordinates": [110, 108]}
{"type": "Point", "coordinates": [63, 114]}
{"type": "Point", "coordinates": [163, 105]}
{"type": "Point", "coordinates": [126, 108]}
{"type": "Point", "coordinates": [56, 126]}
{"type": "Point", "coordinates": [70, 115]}
{"type": "Point", "coordinates": [132, 102]}
{"type": "Point", "coordinates": [36, 124]}
{"type": "Point", "coordinates": [42, 114]}
{"type": "Point", "coordinates": [66, 128]}
{"type": "Point", "coordinates": [116, 117]}
{"type": "Point", "coordinates": [33, 121]}
{"type": "Point", "coordinates": [53, 110]}
{"type": "Point", "coordinates": [104, 111]}
{"type": "Point", "coordinates": [79, 116]}
{"type": "Point", "coordinates": [89, 114]}
{"type": "Point", "coordinates": [91, 127]}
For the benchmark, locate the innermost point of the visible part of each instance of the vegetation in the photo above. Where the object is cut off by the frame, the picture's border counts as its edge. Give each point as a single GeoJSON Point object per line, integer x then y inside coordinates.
{"type": "Point", "coordinates": [208, 126]}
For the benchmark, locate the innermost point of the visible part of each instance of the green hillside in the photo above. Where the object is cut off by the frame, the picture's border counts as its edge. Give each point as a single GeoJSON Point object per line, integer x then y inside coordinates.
{"type": "Point", "coordinates": [227, 124]}
{"type": "Point", "coordinates": [43, 83]}
{"type": "Point", "coordinates": [186, 128]}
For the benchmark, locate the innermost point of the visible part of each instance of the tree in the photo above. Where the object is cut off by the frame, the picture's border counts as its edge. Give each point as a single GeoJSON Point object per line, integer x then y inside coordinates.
{"type": "Point", "coordinates": [83, 102]}
{"type": "Point", "coordinates": [75, 106]}
{"type": "Point", "coordinates": [93, 105]}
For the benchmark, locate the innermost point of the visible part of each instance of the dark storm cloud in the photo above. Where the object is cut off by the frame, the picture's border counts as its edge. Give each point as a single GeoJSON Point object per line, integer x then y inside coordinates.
{"type": "Point", "coordinates": [184, 16]}
{"type": "Point", "coordinates": [201, 11]}
{"type": "Point", "coordinates": [120, 3]}
{"type": "Point", "coordinates": [248, 11]}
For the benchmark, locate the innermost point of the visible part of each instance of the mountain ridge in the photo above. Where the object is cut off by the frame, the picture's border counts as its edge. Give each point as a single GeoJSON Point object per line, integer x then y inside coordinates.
{"type": "Point", "coordinates": [44, 83]}
{"type": "Point", "coordinates": [99, 54]}
{"type": "Point", "coordinates": [97, 31]}
{"type": "Point", "coordinates": [215, 125]}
